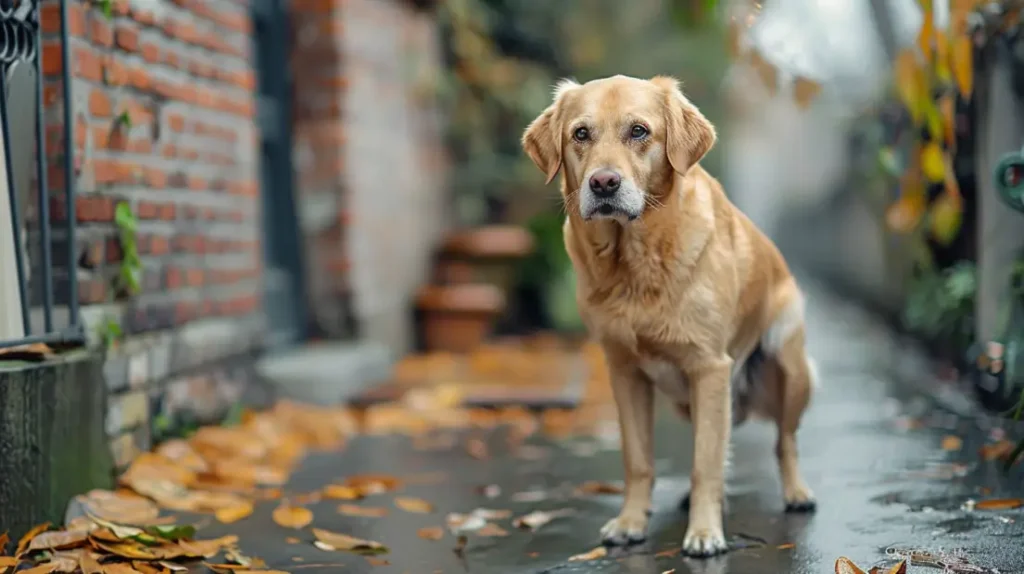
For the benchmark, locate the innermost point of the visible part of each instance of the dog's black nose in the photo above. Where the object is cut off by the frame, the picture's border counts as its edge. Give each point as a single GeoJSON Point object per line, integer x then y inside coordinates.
{"type": "Point", "coordinates": [605, 183]}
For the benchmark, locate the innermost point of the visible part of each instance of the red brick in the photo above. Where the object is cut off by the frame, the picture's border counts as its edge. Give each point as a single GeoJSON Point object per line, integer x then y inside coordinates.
{"type": "Point", "coordinates": [100, 30]}
{"type": "Point", "coordinates": [105, 171]}
{"type": "Point", "coordinates": [88, 64]}
{"type": "Point", "coordinates": [114, 251]}
{"type": "Point", "coordinates": [52, 58]}
{"type": "Point", "coordinates": [151, 53]}
{"type": "Point", "coordinates": [114, 72]}
{"type": "Point", "coordinates": [147, 210]}
{"type": "Point", "coordinates": [126, 36]}
{"type": "Point", "coordinates": [100, 105]}
{"type": "Point", "coordinates": [173, 278]}
{"type": "Point", "coordinates": [92, 291]}
{"type": "Point", "coordinates": [139, 78]}
{"type": "Point", "coordinates": [176, 122]}
{"type": "Point", "coordinates": [159, 245]}
{"type": "Point", "coordinates": [167, 212]}
{"type": "Point", "coordinates": [94, 208]}
{"type": "Point", "coordinates": [50, 18]}
{"type": "Point", "coordinates": [144, 17]}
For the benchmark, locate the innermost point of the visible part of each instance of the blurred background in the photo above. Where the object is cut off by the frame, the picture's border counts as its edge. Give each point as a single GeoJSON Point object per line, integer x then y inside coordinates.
{"type": "Point", "coordinates": [325, 186]}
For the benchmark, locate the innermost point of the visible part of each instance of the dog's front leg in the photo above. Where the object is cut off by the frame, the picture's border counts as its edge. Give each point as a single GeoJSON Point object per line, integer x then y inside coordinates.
{"type": "Point", "coordinates": [711, 412]}
{"type": "Point", "coordinates": [634, 398]}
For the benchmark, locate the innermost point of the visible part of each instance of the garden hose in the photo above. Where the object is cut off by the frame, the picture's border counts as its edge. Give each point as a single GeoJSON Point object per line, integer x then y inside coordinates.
{"type": "Point", "coordinates": [1009, 180]}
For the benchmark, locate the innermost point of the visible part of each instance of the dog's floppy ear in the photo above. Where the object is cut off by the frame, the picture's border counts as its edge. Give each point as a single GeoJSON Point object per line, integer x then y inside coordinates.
{"type": "Point", "coordinates": [542, 140]}
{"type": "Point", "coordinates": [690, 135]}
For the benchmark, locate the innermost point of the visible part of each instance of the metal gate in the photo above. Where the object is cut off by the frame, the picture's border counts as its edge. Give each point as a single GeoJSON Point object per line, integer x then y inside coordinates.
{"type": "Point", "coordinates": [284, 284]}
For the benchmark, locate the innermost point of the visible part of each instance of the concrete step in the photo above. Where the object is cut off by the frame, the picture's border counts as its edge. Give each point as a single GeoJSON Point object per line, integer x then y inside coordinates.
{"type": "Point", "coordinates": [328, 373]}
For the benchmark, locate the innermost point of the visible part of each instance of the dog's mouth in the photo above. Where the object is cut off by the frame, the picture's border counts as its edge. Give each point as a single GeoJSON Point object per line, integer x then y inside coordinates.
{"type": "Point", "coordinates": [611, 210]}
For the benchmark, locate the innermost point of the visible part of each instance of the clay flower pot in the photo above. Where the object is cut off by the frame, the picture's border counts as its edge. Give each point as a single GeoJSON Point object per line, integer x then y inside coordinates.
{"type": "Point", "coordinates": [458, 318]}
{"type": "Point", "coordinates": [492, 251]}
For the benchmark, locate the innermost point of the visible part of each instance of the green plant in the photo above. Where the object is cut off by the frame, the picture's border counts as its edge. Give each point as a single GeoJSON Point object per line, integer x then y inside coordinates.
{"type": "Point", "coordinates": [107, 6]}
{"type": "Point", "coordinates": [130, 271]}
{"type": "Point", "coordinates": [940, 305]}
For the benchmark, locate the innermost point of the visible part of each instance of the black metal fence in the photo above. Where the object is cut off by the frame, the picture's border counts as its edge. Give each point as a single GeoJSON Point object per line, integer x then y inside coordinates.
{"type": "Point", "coordinates": [21, 43]}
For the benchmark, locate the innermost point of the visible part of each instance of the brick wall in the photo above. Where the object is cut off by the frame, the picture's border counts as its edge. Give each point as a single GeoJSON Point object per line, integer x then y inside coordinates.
{"type": "Point", "coordinates": [370, 159]}
{"type": "Point", "coordinates": [163, 114]}
{"type": "Point", "coordinates": [163, 110]}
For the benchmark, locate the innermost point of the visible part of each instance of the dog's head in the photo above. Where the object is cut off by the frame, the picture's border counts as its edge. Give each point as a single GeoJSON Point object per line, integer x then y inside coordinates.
{"type": "Point", "coordinates": [620, 141]}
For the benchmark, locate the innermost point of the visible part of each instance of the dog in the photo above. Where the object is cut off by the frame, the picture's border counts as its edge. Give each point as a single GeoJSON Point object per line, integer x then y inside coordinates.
{"type": "Point", "coordinates": [680, 289]}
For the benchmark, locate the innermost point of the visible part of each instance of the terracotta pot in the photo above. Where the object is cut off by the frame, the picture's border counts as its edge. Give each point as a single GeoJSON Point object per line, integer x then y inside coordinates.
{"type": "Point", "coordinates": [458, 318]}
{"type": "Point", "coordinates": [491, 250]}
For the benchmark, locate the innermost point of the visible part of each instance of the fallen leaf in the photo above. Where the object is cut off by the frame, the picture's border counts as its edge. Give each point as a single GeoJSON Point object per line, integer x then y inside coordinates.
{"type": "Point", "coordinates": [900, 568]}
{"type": "Point", "coordinates": [999, 504]}
{"type": "Point", "coordinates": [369, 484]}
{"type": "Point", "coordinates": [539, 518]}
{"type": "Point", "coordinates": [90, 565]}
{"type": "Point", "coordinates": [9, 561]}
{"type": "Point", "coordinates": [952, 443]}
{"type": "Point", "coordinates": [492, 530]}
{"type": "Point", "coordinates": [27, 538]}
{"type": "Point", "coordinates": [595, 554]}
{"type": "Point", "coordinates": [172, 531]}
{"type": "Point", "coordinates": [593, 487]}
{"type": "Point", "coordinates": [477, 449]}
{"type": "Point", "coordinates": [846, 566]}
{"type": "Point", "coordinates": [998, 450]}
{"type": "Point", "coordinates": [119, 568]}
{"type": "Point", "coordinates": [374, 561]}
{"type": "Point", "coordinates": [787, 546]}
{"type": "Point", "coordinates": [230, 514]}
{"type": "Point", "coordinates": [44, 568]}
{"type": "Point", "coordinates": [327, 540]}
{"type": "Point", "coordinates": [362, 511]}
{"type": "Point", "coordinates": [431, 533]}
{"type": "Point", "coordinates": [289, 516]}
{"type": "Point", "coordinates": [668, 553]}
{"type": "Point", "coordinates": [341, 492]}
{"type": "Point", "coordinates": [120, 507]}
{"type": "Point", "coordinates": [414, 505]}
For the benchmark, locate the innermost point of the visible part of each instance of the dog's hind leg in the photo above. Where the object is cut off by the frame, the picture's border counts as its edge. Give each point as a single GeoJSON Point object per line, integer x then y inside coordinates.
{"type": "Point", "coordinates": [796, 381]}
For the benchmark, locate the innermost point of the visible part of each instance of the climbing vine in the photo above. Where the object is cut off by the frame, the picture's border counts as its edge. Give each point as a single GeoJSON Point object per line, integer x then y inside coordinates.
{"type": "Point", "coordinates": [127, 282]}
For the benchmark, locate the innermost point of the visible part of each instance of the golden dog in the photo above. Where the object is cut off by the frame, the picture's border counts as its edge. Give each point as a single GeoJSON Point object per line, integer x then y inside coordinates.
{"type": "Point", "coordinates": [682, 291]}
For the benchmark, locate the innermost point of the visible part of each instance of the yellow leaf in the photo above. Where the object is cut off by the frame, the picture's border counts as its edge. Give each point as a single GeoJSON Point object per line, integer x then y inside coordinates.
{"type": "Point", "coordinates": [414, 505]}
{"type": "Point", "coordinates": [805, 91]}
{"type": "Point", "coordinates": [767, 72]}
{"type": "Point", "coordinates": [962, 59]}
{"type": "Point", "coordinates": [234, 513]}
{"type": "Point", "coordinates": [910, 82]}
{"type": "Point", "coordinates": [933, 164]}
{"type": "Point", "coordinates": [947, 112]}
{"type": "Point", "coordinates": [362, 511]}
{"type": "Point", "coordinates": [342, 492]}
{"type": "Point", "coordinates": [942, 71]}
{"type": "Point", "coordinates": [898, 568]}
{"type": "Point", "coordinates": [926, 36]}
{"type": "Point", "coordinates": [904, 215]}
{"type": "Point", "coordinates": [27, 538]}
{"type": "Point", "coordinates": [595, 554]}
{"type": "Point", "coordinates": [290, 516]}
{"type": "Point", "coordinates": [999, 504]}
{"type": "Point", "coordinates": [431, 533]}
{"type": "Point", "coordinates": [952, 443]}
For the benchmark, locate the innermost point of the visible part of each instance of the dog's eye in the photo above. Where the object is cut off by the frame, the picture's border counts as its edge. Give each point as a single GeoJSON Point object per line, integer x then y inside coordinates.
{"type": "Point", "coordinates": [581, 134]}
{"type": "Point", "coordinates": [638, 132]}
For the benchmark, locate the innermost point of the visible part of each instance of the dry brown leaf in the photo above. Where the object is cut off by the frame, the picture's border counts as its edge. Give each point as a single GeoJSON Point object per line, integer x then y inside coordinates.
{"type": "Point", "coordinates": [477, 449]}
{"type": "Point", "coordinates": [327, 540]}
{"type": "Point", "coordinates": [58, 540]}
{"type": "Point", "coordinates": [27, 538]}
{"type": "Point", "coordinates": [539, 518]}
{"type": "Point", "coordinates": [952, 443]}
{"type": "Point", "coordinates": [230, 514]}
{"type": "Point", "coordinates": [431, 533]}
{"type": "Point", "coordinates": [492, 530]}
{"type": "Point", "coordinates": [999, 504]}
{"type": "Point", "coordinates": [8, 562]}
{"type": "Point", "coordinates": [900, 568]}
{"type": "Point", "coordinates": [593, 487]}
{"type": "Point", "coordinates": [846, 566]}
{"type": "Point", "coordinates": [132, 550]}
{"type": "Point", "coordinates": [121, 507]}
{"type": "Point", "coordinates": [362, 511]}
{"type": "Point", "coordinates": [374, 561]}
{"type": "Point", "coordinates": [787, 546]}
{"type": "Point", "coordinates": [204, 548]}
{"type": "Point", "coordinates": [413, 505]}
{"type": "Point", "coordinates": [998, 450]}
{"type": "Point", "coordinates": [44, 568]}
{"type": "Point", "coordinates": [292, 540]}
{"type": "Point", "coordinates": [595, 554]}
{"type": "Point", "coordinates": [369, 484]}
{"type": "Point", "coordinates": [4, 539]}
{"type": "Point", "coordinates": [289, 516]}
{"type": "Point", "coordinates": [119, 568]}
{"type": "Point", "coordinates": [89, 564]}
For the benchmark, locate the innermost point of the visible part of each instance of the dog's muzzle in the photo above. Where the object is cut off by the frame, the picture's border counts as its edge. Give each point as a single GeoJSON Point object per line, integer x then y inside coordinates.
{"type": "Point", "coordinates": [607, 195]}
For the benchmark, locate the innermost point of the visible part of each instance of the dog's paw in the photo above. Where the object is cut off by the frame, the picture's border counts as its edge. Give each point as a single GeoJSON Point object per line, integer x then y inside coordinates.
{"type": "Point", "coordinates": [704, 542]}
{"type": "Point", "coordinates": [799, 499]}
{"type": "Point", "coordinates": [624, 530]}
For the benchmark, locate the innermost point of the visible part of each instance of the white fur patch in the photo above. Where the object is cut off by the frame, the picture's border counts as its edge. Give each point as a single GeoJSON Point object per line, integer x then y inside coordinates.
{"type": "Point", "coordinates": [789, 320]}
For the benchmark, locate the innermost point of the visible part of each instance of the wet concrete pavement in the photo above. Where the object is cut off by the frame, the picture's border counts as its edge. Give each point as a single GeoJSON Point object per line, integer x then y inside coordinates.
{"type": "Point", "coordinates": [881, 477]}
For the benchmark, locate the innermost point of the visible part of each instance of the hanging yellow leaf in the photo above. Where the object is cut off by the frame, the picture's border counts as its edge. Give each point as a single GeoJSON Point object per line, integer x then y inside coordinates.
{"type": "Point", "coordinates": [962, 59]}
{"type": "Point", "coordinates": [904, 215]}
{"type": "Point", "coordinates": [926, 36]}
{"type": "Point", "coordinates": [942, 71]}
{"type": "Point", "coordinates": [946, 218]}
{"type": "Point", "coordinates": [932, 119]}
{"type": "Point", "coordinates": [947, 112]}
{"type": "Point", "coordinates": [805, 90]}
{"type": "Point", "coordinates": [290, 516]}
{"type": "Point", "coordinates": [767, 72]}
{"type": "Point", "coordinates": [932, 162]}
{"type": "Point", "coordinates": [910, 83]}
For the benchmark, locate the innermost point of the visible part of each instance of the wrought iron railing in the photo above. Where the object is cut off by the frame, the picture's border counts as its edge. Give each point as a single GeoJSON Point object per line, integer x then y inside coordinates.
{"type": "Point", "coordinates": [20, 46]}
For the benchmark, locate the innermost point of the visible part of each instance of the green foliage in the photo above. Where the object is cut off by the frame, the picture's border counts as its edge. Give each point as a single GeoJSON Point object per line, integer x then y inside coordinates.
{"type": "Point", "coordinates": [107, 6]}
{"type": "Point", "coordinates": [130, 271]}
{"type": "Point", "coordinates": [940, 305]}
{"type": "Point", "coordinates": [124, 119]}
